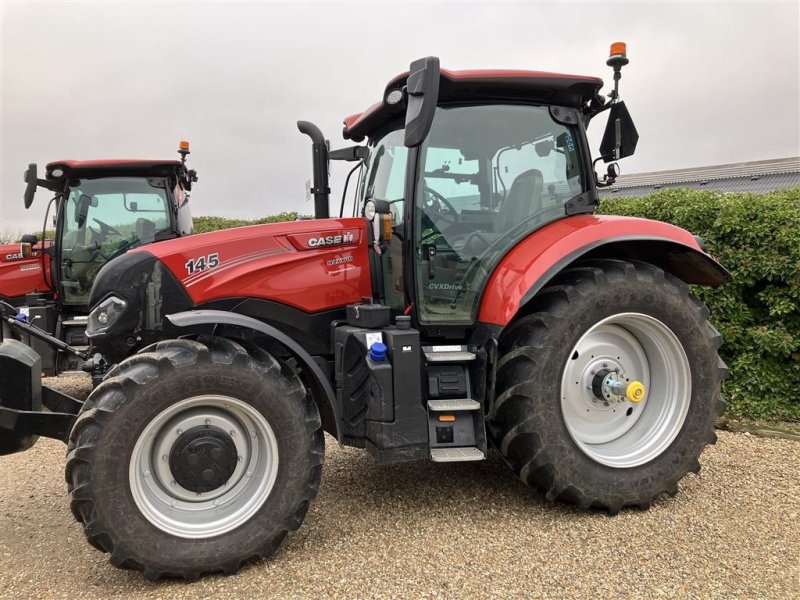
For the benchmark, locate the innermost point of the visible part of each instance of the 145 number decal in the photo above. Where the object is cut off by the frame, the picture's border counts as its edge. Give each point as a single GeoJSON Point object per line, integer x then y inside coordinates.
{"type": "Point", "coordinates": [202, 263]}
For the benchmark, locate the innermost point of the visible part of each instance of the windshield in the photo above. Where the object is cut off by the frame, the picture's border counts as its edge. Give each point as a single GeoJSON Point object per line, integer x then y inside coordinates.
{"type": "Point", "coordinates": [102, 219]}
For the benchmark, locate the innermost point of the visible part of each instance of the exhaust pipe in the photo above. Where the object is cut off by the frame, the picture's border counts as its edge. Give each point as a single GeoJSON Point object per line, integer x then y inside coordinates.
{"type": "Point", "coordinates": [319, 156]}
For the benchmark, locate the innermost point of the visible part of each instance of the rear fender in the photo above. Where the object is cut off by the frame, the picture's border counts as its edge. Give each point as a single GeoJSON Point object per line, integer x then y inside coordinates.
{"type": "Point", "coordinates": [235, 326]}
{"type": "Point", "coordinates": [529, 266]}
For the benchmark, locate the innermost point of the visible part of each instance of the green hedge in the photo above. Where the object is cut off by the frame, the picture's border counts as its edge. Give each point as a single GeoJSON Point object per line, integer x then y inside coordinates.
{"type": "Point", "coordinates": [206, 224]}
{"type": "Point", "coordinates": [757, 238]}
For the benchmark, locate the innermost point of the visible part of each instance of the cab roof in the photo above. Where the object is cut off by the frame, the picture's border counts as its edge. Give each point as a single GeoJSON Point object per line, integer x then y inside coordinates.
{"type": "Point", "coordinates": [482, 85]}
{"type": "Point", "coordinates": [114, 167]}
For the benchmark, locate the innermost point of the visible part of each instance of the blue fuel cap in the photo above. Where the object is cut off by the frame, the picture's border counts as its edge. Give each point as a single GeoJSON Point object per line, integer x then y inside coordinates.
{"type": "Point", "coordinates": [377, 352]}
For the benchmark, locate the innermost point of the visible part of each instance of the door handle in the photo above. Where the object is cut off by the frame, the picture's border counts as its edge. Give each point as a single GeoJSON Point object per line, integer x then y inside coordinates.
{"type": "Point", "coordinates": [430, 252]}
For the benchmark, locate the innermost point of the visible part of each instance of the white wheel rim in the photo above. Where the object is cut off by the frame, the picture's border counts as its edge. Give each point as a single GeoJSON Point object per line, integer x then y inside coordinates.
{"type": "Point", "coordinates": [614, 431]}
{"type": "Point", "coordinates": [187, 514]}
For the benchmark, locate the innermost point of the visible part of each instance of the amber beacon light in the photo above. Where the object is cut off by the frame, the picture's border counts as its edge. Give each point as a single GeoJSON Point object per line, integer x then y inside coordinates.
{"type": "Point", "coordinates": [618, 54]}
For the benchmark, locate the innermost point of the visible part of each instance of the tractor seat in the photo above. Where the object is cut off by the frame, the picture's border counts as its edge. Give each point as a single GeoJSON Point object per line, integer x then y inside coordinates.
{"type": "Point", "coordinates": [145, 230]}
{"type": "Point", "coordinates": [523, 199]}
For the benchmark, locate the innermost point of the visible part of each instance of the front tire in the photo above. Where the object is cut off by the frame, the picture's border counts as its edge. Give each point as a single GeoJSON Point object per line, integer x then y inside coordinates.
{"type": "Point", "coordinates": [563, 431]}
{"type": "Point", "coordinates": [194, 457]}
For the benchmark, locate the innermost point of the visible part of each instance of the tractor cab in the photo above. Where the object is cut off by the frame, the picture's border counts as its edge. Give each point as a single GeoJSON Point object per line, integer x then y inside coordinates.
{"type": "Point", "coordinates": [102, 209]}
{"type": "Point", "coordinates": [463, 165]}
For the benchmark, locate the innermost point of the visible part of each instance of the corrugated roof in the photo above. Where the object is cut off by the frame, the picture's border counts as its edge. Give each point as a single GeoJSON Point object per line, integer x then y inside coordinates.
{"type": "Point", "coordinates": [756, 176]}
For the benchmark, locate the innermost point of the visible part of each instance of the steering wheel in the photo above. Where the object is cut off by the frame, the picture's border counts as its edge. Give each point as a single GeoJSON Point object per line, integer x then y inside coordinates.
{"type": "Point", "coordinates": [437, 198]}
{"type": "Point", "coordinates": [105, 228]}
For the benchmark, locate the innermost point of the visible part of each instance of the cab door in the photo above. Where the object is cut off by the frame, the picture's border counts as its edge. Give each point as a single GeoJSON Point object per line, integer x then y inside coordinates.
{"type": "Point", "coordinates": [486, 177]}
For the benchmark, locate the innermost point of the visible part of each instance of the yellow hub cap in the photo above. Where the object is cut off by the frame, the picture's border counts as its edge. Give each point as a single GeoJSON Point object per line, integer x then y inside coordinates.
{"type": "Point", "coordinates": [635, 392]}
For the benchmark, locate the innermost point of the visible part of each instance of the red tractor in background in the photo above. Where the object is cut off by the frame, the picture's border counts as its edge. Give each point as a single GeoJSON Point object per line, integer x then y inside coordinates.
{"type": "Point", "coordinates": [103, 208]}
{"type": "Point", "coordinates": [477, 301]}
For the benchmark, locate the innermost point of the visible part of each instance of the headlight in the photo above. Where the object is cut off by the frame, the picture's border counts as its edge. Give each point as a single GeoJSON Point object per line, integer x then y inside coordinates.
{"type": "Point", "coordinates": [105, 315]}
{"type": "Point", "coordinates": [369, 210]}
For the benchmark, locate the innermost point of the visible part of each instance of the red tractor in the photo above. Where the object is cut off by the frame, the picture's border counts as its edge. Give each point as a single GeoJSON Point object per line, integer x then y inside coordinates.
{"type": "Point", "coordinates": [477, 302]}
{"type": "Point", "coordinates": [102, 209]}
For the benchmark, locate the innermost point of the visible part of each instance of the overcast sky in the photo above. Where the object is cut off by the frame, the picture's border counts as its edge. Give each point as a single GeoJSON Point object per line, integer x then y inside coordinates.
{"type": "Point", "coordinates": [707, 83]}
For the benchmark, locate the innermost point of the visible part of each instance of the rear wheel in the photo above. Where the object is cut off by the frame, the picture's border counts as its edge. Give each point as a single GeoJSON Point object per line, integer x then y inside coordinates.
{"type": "Point", "coordinates": [608, 391]}
{"type": "Point", "coordinates": [193, 457]}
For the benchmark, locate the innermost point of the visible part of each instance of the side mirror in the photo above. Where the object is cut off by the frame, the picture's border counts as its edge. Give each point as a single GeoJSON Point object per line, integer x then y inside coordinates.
{"type": "Point", "coordinates": [422, 88]}
{"type": "Point", "coordinates": [620, 137]}
{"type": "Point", "coordinates": [612, 172]}
{"type": "Point", "coordinates": [29, 238]}
{"type": "Point", "coordinates": [31, 178]}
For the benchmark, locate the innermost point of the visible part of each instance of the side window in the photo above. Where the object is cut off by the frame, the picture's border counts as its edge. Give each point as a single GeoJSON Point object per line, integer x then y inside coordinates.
{"type": "Point", "coordinates": [385, 180]}
{"type": "Point", "coordinates": [450, 176]}
{"type": "Point", "coordinates": [492, 174]}
{"type": "Point", "coordinates": [386, 172]}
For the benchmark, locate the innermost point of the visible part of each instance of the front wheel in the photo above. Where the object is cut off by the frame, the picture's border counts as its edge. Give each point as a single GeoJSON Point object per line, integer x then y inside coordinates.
{"type": "Point", "coordinates": [608, 391]}
{"type": "Point", "coordinates": [193, 457]}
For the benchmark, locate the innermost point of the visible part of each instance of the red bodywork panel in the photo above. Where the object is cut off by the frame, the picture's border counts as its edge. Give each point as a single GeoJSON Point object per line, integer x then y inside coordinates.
{"type": "Point", "coordinates": [112, 162]}
{"type": "Point", "coordinates": [309, 265]}
{"type": "Point", "coordinates": [20, 276]}
{"type": "Point", "coordinates": [545, 250]}
{"type": "Point", "coordinates": [479, 84]}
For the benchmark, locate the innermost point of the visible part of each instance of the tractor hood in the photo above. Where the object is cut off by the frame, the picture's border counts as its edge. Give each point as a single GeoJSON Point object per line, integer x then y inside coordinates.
{"type": "Point", "coordinates": [310, 265]}
{"type": "Point", "coordinates": [20, 275]}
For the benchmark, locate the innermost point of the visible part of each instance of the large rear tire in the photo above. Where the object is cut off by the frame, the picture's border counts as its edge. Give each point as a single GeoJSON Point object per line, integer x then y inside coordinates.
{"type": "Point", "coordinates": [557, 423]}
{"type": "Point", "coordinates": [194, 457]}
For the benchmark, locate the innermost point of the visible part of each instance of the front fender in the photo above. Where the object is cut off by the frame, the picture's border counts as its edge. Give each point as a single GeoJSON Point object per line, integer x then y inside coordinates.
{"type": "Point", "coordinates": [527, 268]}
{"type": "Point", "coordinates": [315, 377]}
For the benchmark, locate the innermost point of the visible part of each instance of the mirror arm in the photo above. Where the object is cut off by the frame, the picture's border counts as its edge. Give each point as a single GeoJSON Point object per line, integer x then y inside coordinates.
{"type": "Point", "coordinates": [591, 113]}
{"type": "Point", "coordinates": [53, 186]}
{"type": "Point", "coordinates": [349, 154]}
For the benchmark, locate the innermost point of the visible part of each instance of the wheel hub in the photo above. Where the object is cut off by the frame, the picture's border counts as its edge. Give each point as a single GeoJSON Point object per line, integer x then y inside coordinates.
{"type": "Point", "coordinates": [203, 458]}
{"type": "Point", "coordinates": [625, 389]}
{"type": "Point", "coordinates": [615, 386]}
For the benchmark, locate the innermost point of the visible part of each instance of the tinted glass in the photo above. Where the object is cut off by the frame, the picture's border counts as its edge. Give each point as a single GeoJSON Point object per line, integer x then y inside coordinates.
{"type": "Point", "coordinates": [491, 175]}
{"type": "Point", "coordinates": [105, 217]}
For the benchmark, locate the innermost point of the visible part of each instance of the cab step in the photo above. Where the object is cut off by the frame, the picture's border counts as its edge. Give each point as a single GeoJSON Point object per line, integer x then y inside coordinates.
{"type": "Point", "coordinates": [453, 405]}
{"type": "Point", "coordinates": [449, 353]}
{"type": "Point", "coordinates": [456, 454]}
{"type": "Point", "coordinates": [79, 321]}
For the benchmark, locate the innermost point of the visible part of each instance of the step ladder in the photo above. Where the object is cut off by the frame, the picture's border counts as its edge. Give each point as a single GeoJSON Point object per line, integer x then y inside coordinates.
{"type": "Point", "coordinates": [456, 426]}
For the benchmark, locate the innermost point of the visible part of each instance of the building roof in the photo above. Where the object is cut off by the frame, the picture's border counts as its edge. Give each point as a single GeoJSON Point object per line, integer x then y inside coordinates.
{"type": "Point", "coordinates": [759, 176]}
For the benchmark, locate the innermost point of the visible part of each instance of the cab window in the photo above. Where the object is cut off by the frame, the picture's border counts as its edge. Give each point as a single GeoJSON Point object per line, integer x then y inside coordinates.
{"type": "Point", "coordinates": [491, 175]}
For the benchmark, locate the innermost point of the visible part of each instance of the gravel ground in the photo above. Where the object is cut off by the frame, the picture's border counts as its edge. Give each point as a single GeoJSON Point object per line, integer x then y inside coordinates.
{"type": "Point", "coordinates": [424, 530]}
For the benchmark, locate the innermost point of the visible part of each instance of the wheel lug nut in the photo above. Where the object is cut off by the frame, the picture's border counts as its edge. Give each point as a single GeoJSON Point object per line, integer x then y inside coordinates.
{"type": "Point", "coordinates": [163, 457]}
{"type": "Point", "coordinates": [179, 431]}
{"type": "Point", "coordinates": [232, 432]}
